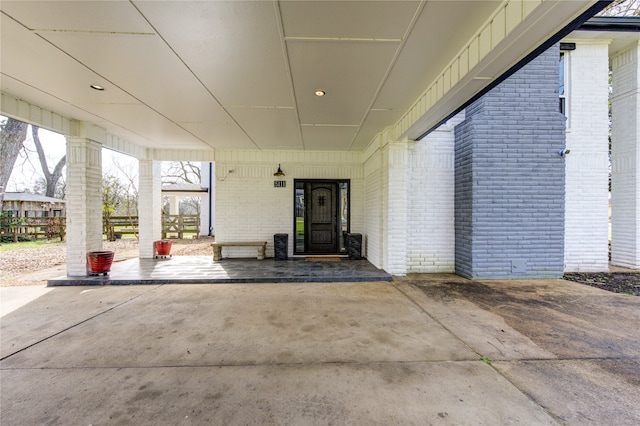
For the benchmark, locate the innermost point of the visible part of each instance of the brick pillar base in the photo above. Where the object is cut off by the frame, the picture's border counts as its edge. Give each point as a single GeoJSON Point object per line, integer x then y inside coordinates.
{"type": "Point", "coordinates": [84, 203]}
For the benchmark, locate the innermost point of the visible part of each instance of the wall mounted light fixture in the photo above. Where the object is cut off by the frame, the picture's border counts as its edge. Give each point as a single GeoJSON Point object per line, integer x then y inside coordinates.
{"type": "Point", "coordinates": [279, 172]}
{"type": "Point", "coordinates": [564, 152]}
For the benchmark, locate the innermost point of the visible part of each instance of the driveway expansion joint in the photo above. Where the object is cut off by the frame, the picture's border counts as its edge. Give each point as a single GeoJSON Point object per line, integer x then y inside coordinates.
{"type": "Point", "coordinates": [78, 323]}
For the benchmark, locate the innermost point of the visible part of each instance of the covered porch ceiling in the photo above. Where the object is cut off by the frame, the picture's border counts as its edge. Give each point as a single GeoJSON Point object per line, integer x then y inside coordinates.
{"type": "Point", "coordinates": [202, 75]}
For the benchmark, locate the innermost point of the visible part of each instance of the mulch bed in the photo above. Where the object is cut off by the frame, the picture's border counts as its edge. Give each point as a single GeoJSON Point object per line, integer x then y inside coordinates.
{"type": "Point", "coordinates": [616, 282]}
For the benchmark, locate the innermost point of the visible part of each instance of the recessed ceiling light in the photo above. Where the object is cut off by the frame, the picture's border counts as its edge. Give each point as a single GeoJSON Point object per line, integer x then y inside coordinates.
{"type": "Point", "coordinates": [96, 87]}
{"type": "Point", "coordinates": [320, 93]}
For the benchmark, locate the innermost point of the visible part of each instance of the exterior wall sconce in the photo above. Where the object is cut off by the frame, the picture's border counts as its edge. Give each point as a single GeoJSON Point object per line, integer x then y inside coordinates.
{"type": "Point", "coordinates": [564, 152]}
{"type": "Point", "coordinates": [279, 172]}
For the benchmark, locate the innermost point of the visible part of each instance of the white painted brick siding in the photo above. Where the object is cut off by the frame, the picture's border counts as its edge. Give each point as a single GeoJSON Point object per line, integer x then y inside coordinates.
{"type": "Point", "coordinates": [396, 208]}
{"type": "Point", "coordinates": [509, 178]}
{"type": "Point", "coordinates": [84, 203]}
{"type": "Point", "coordinates": [149, 206]}
{"type": "Point", "coordinates": [625, 158]}
{"type": "Point", "coordinates": [430, 215]}
{"type": "Point", "coordinates": [249, 208]}
{"type": "Point", "coordinates": [587, 166]}
{"type": "Point", "coordinates": [373, 244]}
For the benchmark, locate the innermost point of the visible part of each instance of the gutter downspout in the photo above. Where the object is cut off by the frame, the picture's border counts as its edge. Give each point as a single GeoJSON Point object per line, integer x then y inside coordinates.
{"type": "Point", "coordinates": [210, 196]}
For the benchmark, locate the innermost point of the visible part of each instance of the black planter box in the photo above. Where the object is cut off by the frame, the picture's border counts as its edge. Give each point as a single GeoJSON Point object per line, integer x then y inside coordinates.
{"type": "Point", "coordinates": [354, 246]}
{"type": "Point", "coordinates": [281, 246]}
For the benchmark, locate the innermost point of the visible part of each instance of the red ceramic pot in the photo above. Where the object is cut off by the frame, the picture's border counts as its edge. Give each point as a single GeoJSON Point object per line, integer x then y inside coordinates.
{"type": "Point", "coordinates": [100, 261]}
{"type": "Point", "coordinates": [163, 247]}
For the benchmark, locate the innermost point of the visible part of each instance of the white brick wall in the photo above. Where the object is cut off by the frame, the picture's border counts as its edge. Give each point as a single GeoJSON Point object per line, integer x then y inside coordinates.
{"type": "Point", "coordinates": [409, 202]}
{"type": "Point", "coordinates": [625, 158]}
{"type": "Point", "coordinates": [373, 214]}
{"type": "Point", "coordinates": [586, 188]}
{"type": "Point", "coordinates": [431, 232]}
{"type": "Point", "coordinates": [149, 206]}
{"type": "Point", "coordinates": [396, 233]}
{"type": "Point", "coordinates": [84, 203]}
{"type": "Point", "coordinates": [249, 208]}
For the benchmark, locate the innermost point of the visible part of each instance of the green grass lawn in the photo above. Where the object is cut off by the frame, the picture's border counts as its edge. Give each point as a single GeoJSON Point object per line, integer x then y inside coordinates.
{"type": "Point", "coordinates": [30, 245]}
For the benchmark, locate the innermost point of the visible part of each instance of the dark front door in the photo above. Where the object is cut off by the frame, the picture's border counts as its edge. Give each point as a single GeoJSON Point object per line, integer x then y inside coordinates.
{"type": "Point", "coordinates": [321, 228]}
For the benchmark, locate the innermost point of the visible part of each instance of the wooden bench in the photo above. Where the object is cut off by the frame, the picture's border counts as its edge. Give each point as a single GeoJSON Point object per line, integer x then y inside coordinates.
{"type": "Point", "coordinates": [217, 248]}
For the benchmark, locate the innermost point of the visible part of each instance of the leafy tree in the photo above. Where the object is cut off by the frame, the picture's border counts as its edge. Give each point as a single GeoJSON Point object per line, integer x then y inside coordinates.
{"type": "Point", "coordinates": [112, 194]}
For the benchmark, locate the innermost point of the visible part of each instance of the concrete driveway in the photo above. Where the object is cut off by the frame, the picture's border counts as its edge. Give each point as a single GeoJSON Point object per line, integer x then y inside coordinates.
{"type": "Point", "coordinates": [428, 349]}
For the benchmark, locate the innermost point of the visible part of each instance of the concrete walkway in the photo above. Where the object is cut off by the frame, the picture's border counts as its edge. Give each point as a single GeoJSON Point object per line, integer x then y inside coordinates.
{"type": "Point", "coordinates": [428, 349]}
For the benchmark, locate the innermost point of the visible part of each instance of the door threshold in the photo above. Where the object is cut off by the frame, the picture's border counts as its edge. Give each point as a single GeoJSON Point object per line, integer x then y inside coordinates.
{"type": "Point", "coordinates": [302, 256]}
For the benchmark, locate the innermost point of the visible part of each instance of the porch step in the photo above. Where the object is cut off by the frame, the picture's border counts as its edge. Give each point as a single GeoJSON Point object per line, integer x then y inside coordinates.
{"type": "Point", "coordinates": [202, 270]}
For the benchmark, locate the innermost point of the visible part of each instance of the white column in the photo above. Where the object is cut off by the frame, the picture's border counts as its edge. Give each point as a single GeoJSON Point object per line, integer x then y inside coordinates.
{"type": "Point", "coordinates": [396, 209]}
{"type": "Point", "coordinates": [149, 206]}
{"type": "Point", "coordinates": [625, 158]}
{"type": "Point", "coordinates": [587, 166]}
{"type": "Point", "coordinates": [174, 204]}
{"type": "Point", "coordinates": [84, 203]}
{"type": "Point", "coordinates": [431, 201]}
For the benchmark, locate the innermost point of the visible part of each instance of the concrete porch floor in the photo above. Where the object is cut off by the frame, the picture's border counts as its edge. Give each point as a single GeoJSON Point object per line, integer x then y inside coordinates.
{"type": "Point", "coordinates": [204, 270]}
{"type": "Point", "coordinates": [426, 349]}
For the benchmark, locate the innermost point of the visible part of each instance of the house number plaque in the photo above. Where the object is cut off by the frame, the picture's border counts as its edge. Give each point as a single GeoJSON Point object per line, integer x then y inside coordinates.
{"type": "Point", "coordinates": [280, 183]}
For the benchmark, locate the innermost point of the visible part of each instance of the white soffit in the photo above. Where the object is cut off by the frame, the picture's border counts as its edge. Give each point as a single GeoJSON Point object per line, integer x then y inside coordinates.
{"type": "Point", "coordinates": [349, 72]}
{"type": "Point", "coordinates": [327, 138]}
{"type": "Point", "coordinates": [241, 74]}
{"type": "Point", "coordinates": [270, 128]}
{"type": "Point", "coordinates": [234, 47]}
{"type": "Point", "coordinates": [375, 121]}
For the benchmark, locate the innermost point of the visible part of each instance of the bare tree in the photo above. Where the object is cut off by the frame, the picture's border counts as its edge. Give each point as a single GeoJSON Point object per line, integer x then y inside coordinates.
{"type": "Point", "coordinates": [130, 189]}
{"type": "Point", "coordinates": [622, 8]}
{"type": "Point", "coordinates": [51, 178]}
{"type": "Point", "coordinates": [181, 172]}
{"type": "Point", "coordinates": [12, 135]}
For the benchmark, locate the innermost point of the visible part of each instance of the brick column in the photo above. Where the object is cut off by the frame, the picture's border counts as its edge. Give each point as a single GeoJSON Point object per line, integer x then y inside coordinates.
{"type": "Point", "coordinates": [625, 157]}
{"type": "Point", "coordinates": [509, 178]}
{"type": "Point", "coordinates": [587, 166]}
{"type": "Point", "coordinates": [430, 224]}
{"type": "Point", "coordinates": [395, 259]}
{"type": "Point", "coordinates": [84, 203]}
{"type": "Point", "coordinates": [174, 204]}
{"type": "Point", "coordinates": [149, 206]}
